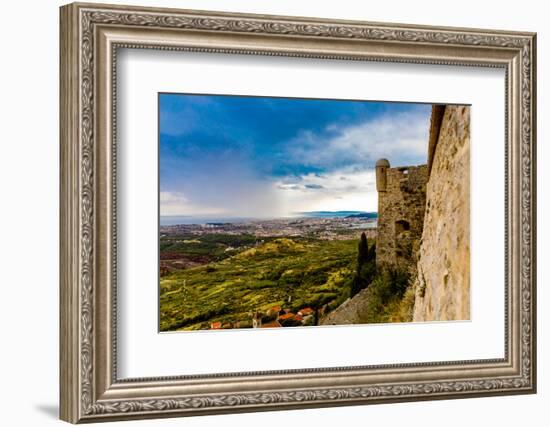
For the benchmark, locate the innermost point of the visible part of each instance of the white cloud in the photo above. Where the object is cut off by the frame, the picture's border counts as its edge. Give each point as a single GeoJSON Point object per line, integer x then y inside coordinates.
{"type": "Point", "coordinates": [344, 189]}
{"type": "Point", "coordinates": [402, 138]}
{"type": "Point", "coordinates": [229, 185]}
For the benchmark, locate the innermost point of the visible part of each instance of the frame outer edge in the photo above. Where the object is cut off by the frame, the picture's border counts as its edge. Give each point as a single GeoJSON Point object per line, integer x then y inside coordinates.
{"type": "Point", "coordinates": [305, 19]}
{"type": "Point", "coordinates": [533, 207]}
{"type": "Point", "coordinates": [77, 225]}
{"type": "Point", "coordinates": [69, 355]}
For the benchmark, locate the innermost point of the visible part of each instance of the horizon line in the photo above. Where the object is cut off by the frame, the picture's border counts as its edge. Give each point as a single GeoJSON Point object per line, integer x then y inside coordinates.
{"type": "Point", "coordinates": [253, 216]}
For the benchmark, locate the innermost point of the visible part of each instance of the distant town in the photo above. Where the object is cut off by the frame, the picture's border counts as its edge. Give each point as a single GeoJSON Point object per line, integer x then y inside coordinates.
{"type": "Point", "coordinates": [319, 227]}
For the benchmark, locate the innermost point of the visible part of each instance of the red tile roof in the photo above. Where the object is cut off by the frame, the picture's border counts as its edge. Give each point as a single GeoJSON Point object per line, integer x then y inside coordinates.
{"type": "Point", "coordinates": [305, 311]}
{"type": "Point", "coordinates": [286, 316]}
{"type": "Point", "coordinates": [273, 324]}
{"type": "Point", "coordinates": [216, 325]}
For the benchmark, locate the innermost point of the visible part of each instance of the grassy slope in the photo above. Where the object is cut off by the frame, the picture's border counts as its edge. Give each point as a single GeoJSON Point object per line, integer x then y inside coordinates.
{"type": "Point", "coordinates": [311, 272]}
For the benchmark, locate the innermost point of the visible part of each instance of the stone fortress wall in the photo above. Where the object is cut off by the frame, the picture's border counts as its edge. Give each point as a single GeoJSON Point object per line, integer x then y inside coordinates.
{"type": "Point", "coordinates": [424, 224]}
{"type": "Point", "coordinates": [401, 207]}
{"type": "Point", "coordinates": [424, 218]}
{"type": "Point", "coordinates": [443, 272]}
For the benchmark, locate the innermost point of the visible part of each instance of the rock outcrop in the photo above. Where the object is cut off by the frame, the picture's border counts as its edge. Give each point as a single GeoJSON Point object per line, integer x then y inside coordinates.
{"type": "Point", "coordinates": [442, 285]}
{"type": "Point", "coordinates": [350, 312]}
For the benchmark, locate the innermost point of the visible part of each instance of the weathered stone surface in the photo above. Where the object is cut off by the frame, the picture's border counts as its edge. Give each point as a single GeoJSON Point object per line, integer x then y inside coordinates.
{"type": "Point", "coordinates": [351, 311]}
{"type": "Point", "coordinates": [401, 206]}
{"type": "Point", "coordinates": [443, 279]}
{"type": "Point", "coordinates": [424, 224]}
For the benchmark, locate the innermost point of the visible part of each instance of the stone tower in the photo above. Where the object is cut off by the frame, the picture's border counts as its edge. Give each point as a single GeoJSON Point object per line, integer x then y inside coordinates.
{"type": "Point", "coordinates": [401, 206]}
{"type": "Point", "coordinates": [381, 174]}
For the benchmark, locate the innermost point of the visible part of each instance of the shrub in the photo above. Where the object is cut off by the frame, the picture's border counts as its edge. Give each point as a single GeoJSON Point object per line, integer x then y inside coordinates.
{"type": "Point", "coordinates": [262, 284]}
{"type": "Point", "coordinates": [274, 274]}
{"type": "Point", "coordinates": [266, 318]}
{"type": "Point", "coordinates": [405, 309]}
{"type": "Point", "coordinates": [385, 294]}
{"type": "Point", "coordinates": [316, 278]}
{"type": "Point", "coordinates": [356, 286]}
{"type": "Point", "coordinates": [309, 321]}
{"type": "Point", "coordinates": [290, 322]}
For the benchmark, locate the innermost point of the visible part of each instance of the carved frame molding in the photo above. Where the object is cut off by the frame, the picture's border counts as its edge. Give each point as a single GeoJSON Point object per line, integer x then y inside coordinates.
{"type": "Point", "coordinates": [90, 37]}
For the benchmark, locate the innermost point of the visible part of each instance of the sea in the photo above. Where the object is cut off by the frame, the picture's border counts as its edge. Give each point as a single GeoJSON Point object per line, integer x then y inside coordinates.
{"type": "Point", "coordinates": [175, 220]}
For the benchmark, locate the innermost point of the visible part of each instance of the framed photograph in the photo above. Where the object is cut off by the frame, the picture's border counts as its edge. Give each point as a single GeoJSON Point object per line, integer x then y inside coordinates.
{"type": "Point", "coordinates": [266, 212]}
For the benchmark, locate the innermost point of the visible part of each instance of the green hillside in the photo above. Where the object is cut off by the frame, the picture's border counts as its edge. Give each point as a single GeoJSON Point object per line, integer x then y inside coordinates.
{"type": "Point", "coordinates": [293, 273]}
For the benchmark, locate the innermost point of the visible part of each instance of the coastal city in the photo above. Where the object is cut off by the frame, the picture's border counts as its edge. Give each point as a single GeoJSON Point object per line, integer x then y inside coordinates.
{"type": "Point", "coordinates": [325, 228]}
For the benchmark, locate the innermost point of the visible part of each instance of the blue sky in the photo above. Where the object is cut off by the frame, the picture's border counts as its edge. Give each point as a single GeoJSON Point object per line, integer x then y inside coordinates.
{"type": "Point", "coordinates": [233, 156]}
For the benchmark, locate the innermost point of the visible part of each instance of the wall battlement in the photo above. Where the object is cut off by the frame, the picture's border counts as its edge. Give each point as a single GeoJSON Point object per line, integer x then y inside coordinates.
{"type": "Point", "coordinates": [401, 208]}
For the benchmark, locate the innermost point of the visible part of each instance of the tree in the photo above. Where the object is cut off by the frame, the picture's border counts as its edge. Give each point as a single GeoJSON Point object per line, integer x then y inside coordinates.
{"type": "Point", "coordinates": [362, 252]}
{"type": "Point", "coordinates": [372, 253]}
{"type": "Point", "coordinates": [355, 286]}
{"type": "Point", "coordinates": [366, 266]}
{"type": "Point", "coordinates": [367, 273]}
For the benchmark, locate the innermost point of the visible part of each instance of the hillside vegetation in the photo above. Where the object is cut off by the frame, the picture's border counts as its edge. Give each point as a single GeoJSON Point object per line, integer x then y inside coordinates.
{"type": "Point", "coordinates": [252, 277]}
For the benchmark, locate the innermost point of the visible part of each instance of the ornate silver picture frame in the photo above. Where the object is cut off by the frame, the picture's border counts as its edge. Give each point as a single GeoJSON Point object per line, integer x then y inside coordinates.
{"type": "Point", "coordinates": [91, 35]}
